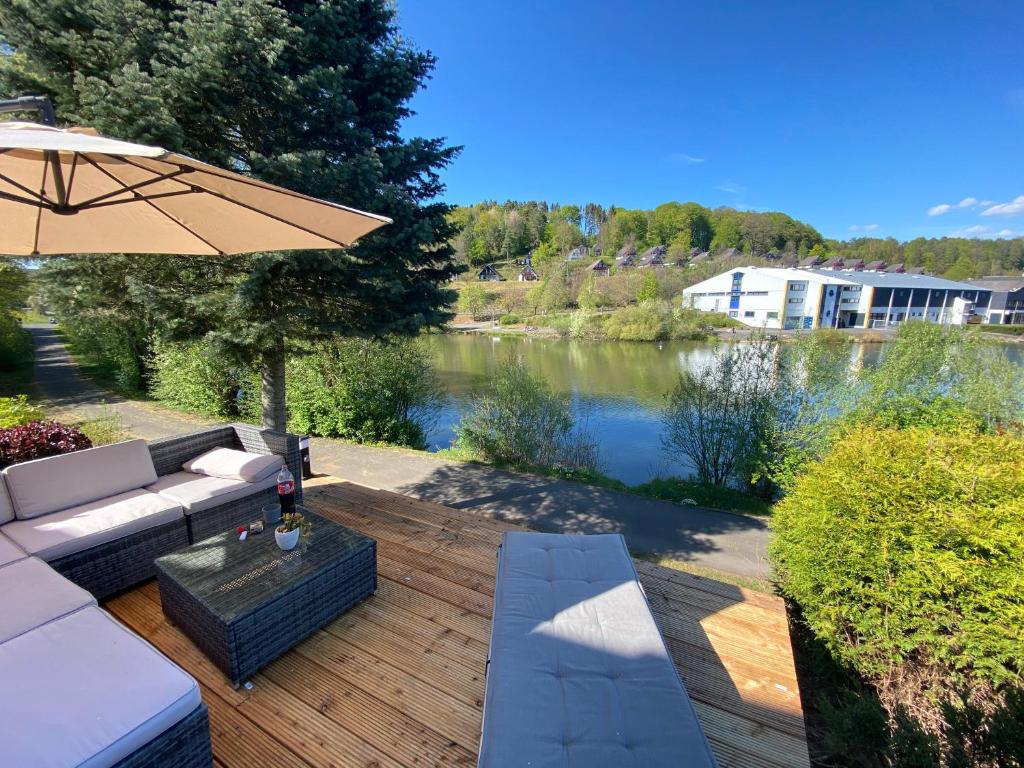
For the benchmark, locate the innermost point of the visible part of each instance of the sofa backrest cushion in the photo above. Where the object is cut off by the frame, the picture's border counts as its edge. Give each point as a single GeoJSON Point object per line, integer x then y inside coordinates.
{"type": "Point", "coordinates": [6, 508]}
{"type": "Point", "coordinates": [230, 464]}
{"type": "Point", "coordinates": [57, 482]}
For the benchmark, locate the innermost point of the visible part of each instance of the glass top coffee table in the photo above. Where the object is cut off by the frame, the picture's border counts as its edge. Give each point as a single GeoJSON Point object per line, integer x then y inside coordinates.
{"type": "Point", "coordinates": [244, 603]}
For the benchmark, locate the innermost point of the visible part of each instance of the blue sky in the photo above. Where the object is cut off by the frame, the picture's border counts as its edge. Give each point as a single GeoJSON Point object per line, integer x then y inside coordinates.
{"type": "Point", "coordinates": [858, 118]}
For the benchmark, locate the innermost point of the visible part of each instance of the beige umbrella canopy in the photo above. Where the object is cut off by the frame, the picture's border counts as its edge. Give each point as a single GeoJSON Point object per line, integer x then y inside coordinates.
{"type": "Point", "coordinates": [73, 191]}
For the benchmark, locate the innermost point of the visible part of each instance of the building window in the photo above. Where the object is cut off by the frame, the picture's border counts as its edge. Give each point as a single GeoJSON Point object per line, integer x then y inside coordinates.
{"type": "Point", "coordinates": [734, 313]}
{"type": "Point", "coordinates": [798, 287]}
{"type": "Point", "coordinates": [748, 313]}
{"type": "Point", "coordinates": [796, 301]}
{"type": "Point", "coordinates": [772, 316]}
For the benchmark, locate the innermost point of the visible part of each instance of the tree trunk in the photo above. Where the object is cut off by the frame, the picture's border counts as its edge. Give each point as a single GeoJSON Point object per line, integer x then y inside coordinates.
{"type": "Point", "coordinates": [273, 388]}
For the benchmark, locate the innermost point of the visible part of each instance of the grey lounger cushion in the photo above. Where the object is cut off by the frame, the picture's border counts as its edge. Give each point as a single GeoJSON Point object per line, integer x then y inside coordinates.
{"type": "Point", "coordinates": [34, 594]}
{"type": "Point", "coordinates": [84, 691]}
{"type": "Point", "coordinates": [579, 674]}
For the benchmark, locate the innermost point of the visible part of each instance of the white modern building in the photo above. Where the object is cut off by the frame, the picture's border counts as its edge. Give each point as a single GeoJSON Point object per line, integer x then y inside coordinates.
{"type": "Point", "coordinates": [772, 297]}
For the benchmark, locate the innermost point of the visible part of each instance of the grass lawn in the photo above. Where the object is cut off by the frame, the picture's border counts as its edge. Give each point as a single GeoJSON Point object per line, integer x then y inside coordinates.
{"type": "Point", "coordinates": [757, 585]}
{"type": "Point", "coordinates": [678, 490]}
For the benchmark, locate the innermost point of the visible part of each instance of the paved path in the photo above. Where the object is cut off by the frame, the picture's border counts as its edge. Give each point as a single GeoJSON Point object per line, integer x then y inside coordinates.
{"type": "Point", "coordinates": [717, 540]}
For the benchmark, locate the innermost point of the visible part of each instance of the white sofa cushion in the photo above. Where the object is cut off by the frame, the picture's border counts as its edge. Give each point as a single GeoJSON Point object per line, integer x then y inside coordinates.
{"type": "Point", "coordinates": [198, 492]}
{"type": "Point", "coordinates": [84, 691]}
{"type": "Point", "coordinates": [47, 485]}
{"type": "Point", "coordinates": [6, 508]}
{"type": "Point", "coordinates": [34, 594]}
{"type": "Point", "coordinates": [235, 465]}
{"type": "Point", "coordinates": [9, 551]}
{"type": "Point", "coordinates": [89, 525]}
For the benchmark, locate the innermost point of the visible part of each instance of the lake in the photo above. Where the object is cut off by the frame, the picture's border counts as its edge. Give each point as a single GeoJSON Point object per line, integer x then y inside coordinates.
{"type": "Point", "coordinates": [617, 389]}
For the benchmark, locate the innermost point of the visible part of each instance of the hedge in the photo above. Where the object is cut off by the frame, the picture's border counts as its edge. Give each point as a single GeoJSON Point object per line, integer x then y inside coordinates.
{"type": "Point", "coordinates": [904, 549]}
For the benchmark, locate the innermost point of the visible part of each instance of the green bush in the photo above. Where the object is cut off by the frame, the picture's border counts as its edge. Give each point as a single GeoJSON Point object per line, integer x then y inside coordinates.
{"type": "Point", "coordinates": [16, 349]}
{"type": "Point", "coordinates": [366, 391]}
{"type": "Point", "coordinates": [109, 351]}
{"type": "Point", "coordinates": [18, 410]}
{"type": "Point", "coordinates": [188, 376]}
{"type": "Point", "coordinates": [904, 550]}
{"type": "Point", "coordinates": [510, 319]}
{"type": "Point", "coordinates": [518, 421]}
{"type": "Point", "coordinates": [643, 322]}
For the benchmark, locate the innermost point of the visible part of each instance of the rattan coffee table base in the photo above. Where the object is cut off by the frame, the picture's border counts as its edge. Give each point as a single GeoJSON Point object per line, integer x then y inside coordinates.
{"type": "Point", "coordinates": [286, 596]}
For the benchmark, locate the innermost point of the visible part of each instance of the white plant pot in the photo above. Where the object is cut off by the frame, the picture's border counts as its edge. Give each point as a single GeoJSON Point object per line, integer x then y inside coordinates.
{"type": "Point", "coordinates": [288, 539]}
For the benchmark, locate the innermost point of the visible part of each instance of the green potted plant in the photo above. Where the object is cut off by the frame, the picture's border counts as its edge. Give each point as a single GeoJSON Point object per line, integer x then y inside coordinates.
{"type": "Point", "coordinates": [292, 526]}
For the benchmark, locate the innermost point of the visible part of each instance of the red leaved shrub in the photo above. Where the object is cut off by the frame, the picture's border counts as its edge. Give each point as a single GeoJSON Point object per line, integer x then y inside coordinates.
{"type": "Point", "coordinates": [38, 439]}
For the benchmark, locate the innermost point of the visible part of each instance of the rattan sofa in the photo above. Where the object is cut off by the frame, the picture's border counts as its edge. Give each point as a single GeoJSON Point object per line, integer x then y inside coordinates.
{"type": "Point", "coordinates": [171, 453]}
{"type": "Point", "coordinates": [66, 663]}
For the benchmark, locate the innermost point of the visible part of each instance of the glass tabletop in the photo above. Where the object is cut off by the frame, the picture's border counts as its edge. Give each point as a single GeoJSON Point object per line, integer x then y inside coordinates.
{"type": "Point", "coordinates": [232, 577]}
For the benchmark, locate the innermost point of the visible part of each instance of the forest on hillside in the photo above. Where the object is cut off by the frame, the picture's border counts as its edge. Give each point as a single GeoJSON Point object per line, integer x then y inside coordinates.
{"type": "Point", "coordinates": [495, 232]}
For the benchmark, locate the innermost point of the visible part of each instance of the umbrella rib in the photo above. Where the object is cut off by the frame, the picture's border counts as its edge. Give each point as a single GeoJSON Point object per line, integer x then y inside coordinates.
{"type": "Point", "coordinates": [154, 206]}
{"type": "Point", "coordinates": [133, 187]}
{"type": "Point", "coordinates": [160, 196]}
{"type": "Point", "coordinates": [264, 186]}
{"type": "Point", "coordinates": [22, 200]}
{"type": "Point", "coordinates": [254, 209]}
{"type": "Point", "coordinates": [40, 197]}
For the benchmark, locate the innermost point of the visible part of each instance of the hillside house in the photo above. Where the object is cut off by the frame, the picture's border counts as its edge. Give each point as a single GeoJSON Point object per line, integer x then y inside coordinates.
{"type": "Point", "coordinates": [654, 257]}
{"type": "Point", "coordinates": [875, 266]}
{"type": "Point", "coordinates": [626, 257]}
{"type": "Point", "coordinates": [578, 253]}
{"type": "Point", "coordinates": [490, 274]}
{"type": "Point", "coordinates": [527, 275]}
{"type": "Point", "coordinates": [599, 268]}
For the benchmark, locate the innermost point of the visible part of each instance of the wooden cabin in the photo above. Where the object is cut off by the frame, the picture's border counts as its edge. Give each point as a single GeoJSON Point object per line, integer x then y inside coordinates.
{"type": "Point", "coordinates": [896, 268]}
{"type": "Point", "coordinates": [654, 257]}
{"type": "Point", "coordinates": [527, 275]}
{"type": "Point", "coordinates": [875, 266]}
{"type": "Point", "coordinates": [578, 253]}
{"type": "Point", "coordinates": [626, 257]}
{"type": "Point", "coordinates": [490, 274]}
{"type": "Point", "coordinates": [599, 268]}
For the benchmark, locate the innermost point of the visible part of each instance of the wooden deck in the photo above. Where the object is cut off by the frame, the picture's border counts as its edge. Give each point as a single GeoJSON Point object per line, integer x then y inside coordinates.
{"type": "Point", "coordinates": [398, 681]}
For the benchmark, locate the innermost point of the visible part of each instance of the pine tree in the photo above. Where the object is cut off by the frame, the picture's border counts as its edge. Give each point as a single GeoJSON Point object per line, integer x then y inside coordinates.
{"type": "Point", "coordinates": [306, 94]}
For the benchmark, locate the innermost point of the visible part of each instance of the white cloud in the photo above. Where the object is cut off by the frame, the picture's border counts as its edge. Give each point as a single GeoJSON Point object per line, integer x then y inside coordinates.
{"type": "Point", "coordinates": [982, 231]}
{"type": "Point", "coordinates": [731, 187]}
{"type": "Point", "coordinates": [681, 158]}
{"type": "Point", "coordinates": [967, 202]}
{"type": "Point", "coordinates": [1013, 208]}
{"type": "Point", "coordinates": [863, 227]}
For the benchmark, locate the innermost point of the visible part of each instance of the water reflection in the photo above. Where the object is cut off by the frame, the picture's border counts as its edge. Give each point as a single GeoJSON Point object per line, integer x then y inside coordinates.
{"type": "Point", "coordinates": [617, 388]}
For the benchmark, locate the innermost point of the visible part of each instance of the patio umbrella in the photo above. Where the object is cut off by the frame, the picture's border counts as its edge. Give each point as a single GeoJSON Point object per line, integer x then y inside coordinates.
{"type": "Point", "coordinates": [73, 191]}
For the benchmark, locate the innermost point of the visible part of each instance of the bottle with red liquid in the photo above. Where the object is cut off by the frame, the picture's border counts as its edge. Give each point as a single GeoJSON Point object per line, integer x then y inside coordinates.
{"type": "Point", "coordinates": [286, 490]}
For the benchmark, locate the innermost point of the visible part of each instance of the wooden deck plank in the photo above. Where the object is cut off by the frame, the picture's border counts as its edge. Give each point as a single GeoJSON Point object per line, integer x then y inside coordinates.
{"type": "Point", "coordinates": [399, 680]}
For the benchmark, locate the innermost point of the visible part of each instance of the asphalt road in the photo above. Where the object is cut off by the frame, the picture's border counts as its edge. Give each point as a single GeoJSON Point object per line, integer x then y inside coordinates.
{"type": "Point", "coordinates": [715, 540]}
